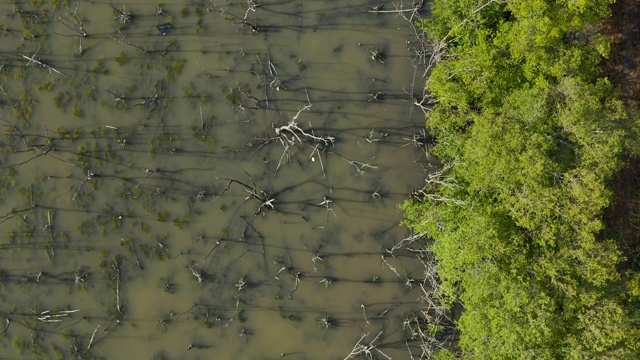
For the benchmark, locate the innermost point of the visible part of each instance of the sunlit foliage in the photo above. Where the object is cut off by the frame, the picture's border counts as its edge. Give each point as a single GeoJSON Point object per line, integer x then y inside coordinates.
{"type": "Point", "coordinates": [531, 135]}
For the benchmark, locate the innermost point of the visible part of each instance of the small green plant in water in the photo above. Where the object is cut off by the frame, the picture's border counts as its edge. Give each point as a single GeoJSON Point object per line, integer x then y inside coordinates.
{"type": "Point", "coordinates": [78, 112]}
{"type": "Point", "coordinates": [99, 66]}
{"type": "Point", "coordinates": [61, 99]}
{"type": "Point", "coordinates": [180, 223]}
{"type": "Point", "coordinates": [117, 221]}
{"type": "Point", "coordinates": [47, 86]}
{"type": "Point", "coordinates": [162, 216]}
{"type": "Point", "coordinates": [122, 59]}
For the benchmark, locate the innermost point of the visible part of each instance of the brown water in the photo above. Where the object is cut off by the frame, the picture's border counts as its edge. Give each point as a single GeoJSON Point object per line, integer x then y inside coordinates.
{"type": "Point", "coordinates": [144, 183]}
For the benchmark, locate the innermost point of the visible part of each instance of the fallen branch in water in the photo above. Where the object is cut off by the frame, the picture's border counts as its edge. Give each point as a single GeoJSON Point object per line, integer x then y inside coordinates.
{"type": "Point", "coordinates": [360, 166]}
{"type": "Point", "coordinates": [121, 39]}
{"type": "Point", "coordinates": [88, 177]}
{"type": "Point", "coordinates": [48, 316]}
{"type": "Point", "coordinates": [266, 201]}
{"type": "Point", "coordinates": [367, 350]}
{"type": "Point", "coordinates": [34, 61]}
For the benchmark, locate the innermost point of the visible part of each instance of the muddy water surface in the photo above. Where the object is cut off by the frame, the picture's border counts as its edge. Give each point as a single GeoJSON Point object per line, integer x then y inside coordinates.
{"type": "Point", "coordinates": [227, 190]}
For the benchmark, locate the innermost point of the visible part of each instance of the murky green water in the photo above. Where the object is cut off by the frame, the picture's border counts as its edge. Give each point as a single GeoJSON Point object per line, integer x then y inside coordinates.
{"type": "Point", "coordinates": [227, 190]}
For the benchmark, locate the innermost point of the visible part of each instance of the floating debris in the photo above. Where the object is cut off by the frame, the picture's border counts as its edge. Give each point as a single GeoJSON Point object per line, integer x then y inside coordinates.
{"type": "Point", "coordinates": [165, 28]}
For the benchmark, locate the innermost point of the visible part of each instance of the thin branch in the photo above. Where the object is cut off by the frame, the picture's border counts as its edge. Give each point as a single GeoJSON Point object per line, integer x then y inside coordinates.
{"type": "Point", "coordinates": [88, 177]}
{"type": "Point", "coordinates": [34, 61]}
{"type": "Point", "coordinates": [93, 336]}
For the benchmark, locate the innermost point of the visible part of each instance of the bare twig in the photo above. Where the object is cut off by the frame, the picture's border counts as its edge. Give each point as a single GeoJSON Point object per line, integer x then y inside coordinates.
{"type": "Point", "coordinates": [378, 9]}
{"type": "Point", "coordinates": [297, 281]}
{"type": "Point", "coordinates": [121, 39]}
{"type": "Point", "coordinates": [364, 314]}
{"type": "Point", "coordinates": [118, 98]}
{"type": "Point", "coordinates": [48, 316]}
{"type": "Point", "coordinates": [385, 262]}
{"type": "Point", "coordinates": [116, 267]}
{"type": "Point", "coordinates": [325, 203]}
{"type": "Point", "coordinates": [235, 313]}
{"type": "Point", "coordinates": [295, 273]}
{"type": "Point", "coordinates": [123, 16]}
{"type": "Point", "coordinates": [88, 177]}
{"type": "Point", "coordinates": [251, 6]}
{"type": "Point", "coordinates": [4, 331]}
{"type": "Point", "coordinates": [367, 350]}
{"type": "Point", "coordinates": [378, 55]}
{"type": "Point", "coordinates": [13, 213]}
{"type": "Point", "coordinates": [314, 259]}
{"type": "Point", "coordinates": [149, 172]}
{"type": "Point", "coordinates": [198, 274]}
{"type": "Point", "coordinates": [434, 181]}
{"type": "Point", "coordinates": [359, 166]}
{"type": "Point", "coordinates": [316, 150]}
{"type": "Point", "coordinates": [75, 23]}
{"type": "Point", "coordinates": [266, 202]}
{"type": "Point", "coordinates": [93, 336]}
{"type": "Point", "coordinates": [292, 134]}
{"type": "Point", "coordinates": [34, 61]}
{"type": "Point", "coordinates": [257, 233]}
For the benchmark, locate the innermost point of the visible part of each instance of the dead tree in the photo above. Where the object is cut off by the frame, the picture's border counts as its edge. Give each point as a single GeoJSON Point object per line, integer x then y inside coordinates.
{"type": "Point", "coordinates": [36, 61]}
{"type": "Point", "coordinates": [264, 198]}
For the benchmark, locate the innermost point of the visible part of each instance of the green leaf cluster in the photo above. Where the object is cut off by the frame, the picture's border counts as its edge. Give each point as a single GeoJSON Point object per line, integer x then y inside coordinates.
{"type": "Point", "coordinates": [531, 136]}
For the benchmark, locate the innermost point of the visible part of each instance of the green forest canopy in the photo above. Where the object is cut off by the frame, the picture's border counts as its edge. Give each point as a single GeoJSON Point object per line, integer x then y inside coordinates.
{"type": "Point", "coordinates": [530, 135]}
